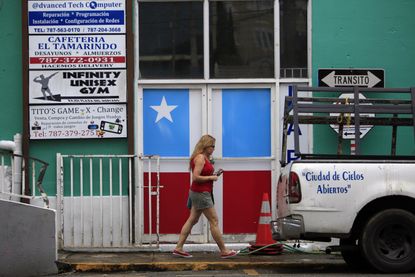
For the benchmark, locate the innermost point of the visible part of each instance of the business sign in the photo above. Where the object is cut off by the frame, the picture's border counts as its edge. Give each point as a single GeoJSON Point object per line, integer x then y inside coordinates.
{"type": "Point", "coordinates": [77, 69]}
{"type": "Point", "coordinates": [370, 78]}
{"type": "Point", "coordinates": [77, 86]}
{"type": "Point", "coordinates": [76, 17]}
{"type": "Point", "coordinates": [76, 51]}
{"type": "Point", "coordinates": [77, 121]}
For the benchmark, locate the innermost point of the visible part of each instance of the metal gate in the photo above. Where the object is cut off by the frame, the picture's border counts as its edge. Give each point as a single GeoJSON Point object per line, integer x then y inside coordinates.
{"type": "Point", "coordinates": [13, 170]}
{"type": "Point", "coordinates": [100, 201]}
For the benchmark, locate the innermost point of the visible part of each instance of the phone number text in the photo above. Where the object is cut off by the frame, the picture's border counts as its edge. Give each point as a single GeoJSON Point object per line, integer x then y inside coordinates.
{"type": "Point", "coordinates": [64, 133]}
{"type": "Point", "coordinates": [82, 30]}
{"type": "Point", "coordinates": [76, 60]}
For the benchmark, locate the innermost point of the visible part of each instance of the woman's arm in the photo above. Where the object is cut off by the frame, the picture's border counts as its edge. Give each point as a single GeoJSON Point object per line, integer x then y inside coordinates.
{"type": "Point", "coordinates": [199, 161]}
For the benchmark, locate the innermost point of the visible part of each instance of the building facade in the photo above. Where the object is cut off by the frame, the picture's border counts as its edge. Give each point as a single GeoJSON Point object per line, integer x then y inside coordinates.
{"type": "Point", "coordinates": [217, 67]}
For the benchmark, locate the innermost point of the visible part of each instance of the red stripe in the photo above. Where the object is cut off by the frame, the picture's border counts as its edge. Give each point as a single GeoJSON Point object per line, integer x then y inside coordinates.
{"type": "Point", "coordinates": [77, 60]}
{"type": "Point", "coordinates": [242, 199]}
{"type": "Point", "coordinates": [173, 199]}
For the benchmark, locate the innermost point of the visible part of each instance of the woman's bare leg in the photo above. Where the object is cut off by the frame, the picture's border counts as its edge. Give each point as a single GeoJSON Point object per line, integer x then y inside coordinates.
{"type": "Point", "coordinates": [212, 216]}
{"type": "Point", "coordinates": [187, 227]}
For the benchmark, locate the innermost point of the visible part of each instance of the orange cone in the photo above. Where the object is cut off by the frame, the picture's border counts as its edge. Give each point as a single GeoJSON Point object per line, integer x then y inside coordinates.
{"type": "Point", "coordinates": [264, 236]}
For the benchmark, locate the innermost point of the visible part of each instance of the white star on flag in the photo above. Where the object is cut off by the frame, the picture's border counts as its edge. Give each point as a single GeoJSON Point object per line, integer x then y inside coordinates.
{"type": "Point", "coordinates": [163, 110]}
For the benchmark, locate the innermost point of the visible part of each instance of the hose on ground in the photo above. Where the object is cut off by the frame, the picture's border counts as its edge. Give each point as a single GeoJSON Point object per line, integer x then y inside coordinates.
{"type": "Point", "coordinates": [286, 247]}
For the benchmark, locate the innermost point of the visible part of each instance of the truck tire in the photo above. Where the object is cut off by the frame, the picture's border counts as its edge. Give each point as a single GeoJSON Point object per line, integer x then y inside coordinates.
{"type": "Point", "coordinates": [388, 241]}
{"type": "Point", "coordinates": [353, 257]}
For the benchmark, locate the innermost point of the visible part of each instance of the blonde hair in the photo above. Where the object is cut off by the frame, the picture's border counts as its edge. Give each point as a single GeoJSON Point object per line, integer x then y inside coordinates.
{"type": "Point", "coordinates": [204, 142]}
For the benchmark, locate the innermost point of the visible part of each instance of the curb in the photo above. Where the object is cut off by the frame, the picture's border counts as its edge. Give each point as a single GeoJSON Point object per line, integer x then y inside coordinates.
{"type": "Point", "coordinates": [182, 266]}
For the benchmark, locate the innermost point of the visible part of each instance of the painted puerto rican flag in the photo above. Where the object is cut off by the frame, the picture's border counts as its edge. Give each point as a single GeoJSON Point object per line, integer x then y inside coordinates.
{"type": "Point", "coordinates": [240, 120]}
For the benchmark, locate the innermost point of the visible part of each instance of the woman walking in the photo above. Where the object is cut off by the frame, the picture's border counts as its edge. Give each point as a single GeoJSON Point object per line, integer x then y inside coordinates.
{"type": "Point", "coordinates": [201, 197]}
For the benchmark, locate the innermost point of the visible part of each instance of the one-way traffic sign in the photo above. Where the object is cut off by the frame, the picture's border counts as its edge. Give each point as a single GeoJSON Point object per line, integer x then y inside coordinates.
{"type": "Point", "coordinates": [351, 77]}
{"type": "Point", "coordinates": [349, 130]}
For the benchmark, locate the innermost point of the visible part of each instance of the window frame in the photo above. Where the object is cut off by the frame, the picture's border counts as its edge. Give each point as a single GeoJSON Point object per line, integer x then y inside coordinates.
{"type": "Point", "coordinates": [207, 79]}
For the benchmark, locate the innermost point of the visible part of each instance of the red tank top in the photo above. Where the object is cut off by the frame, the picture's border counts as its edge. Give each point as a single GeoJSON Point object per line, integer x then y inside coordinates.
{"type": "Point", "coordinates": [207, 170]}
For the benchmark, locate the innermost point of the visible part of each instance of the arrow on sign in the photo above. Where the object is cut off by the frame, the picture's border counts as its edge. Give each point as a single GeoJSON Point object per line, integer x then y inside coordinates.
{"type": "Point", "coordinates": [333, 80]}
{"type": "Point", "coordinates": [351, 133]}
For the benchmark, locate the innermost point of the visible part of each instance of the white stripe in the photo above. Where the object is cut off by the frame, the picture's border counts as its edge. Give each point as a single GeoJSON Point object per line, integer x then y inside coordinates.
{"type": "Point", "coordinates": [218, 193]}
{"type": "Point", "coordinates": [264, 219]}
{"type": "Point", "coordinates": [265, 208]}
{"type": "Point", "coordinates": [216, 124]}
{"type": "Point", "coordinates": [195, 117]}
{"type": "Point", "coordinates": [181, 165]}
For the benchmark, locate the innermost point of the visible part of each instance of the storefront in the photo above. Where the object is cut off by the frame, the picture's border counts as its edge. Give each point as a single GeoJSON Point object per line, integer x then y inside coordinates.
{"type": "Point", "coordinates": [217, 67]}
{"type": "Point", "coordinates": [150, 77]}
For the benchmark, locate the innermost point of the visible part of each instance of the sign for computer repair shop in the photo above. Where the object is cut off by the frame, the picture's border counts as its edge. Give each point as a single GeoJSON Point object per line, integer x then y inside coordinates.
{"type": "Point", "coordinates": [335, 77]}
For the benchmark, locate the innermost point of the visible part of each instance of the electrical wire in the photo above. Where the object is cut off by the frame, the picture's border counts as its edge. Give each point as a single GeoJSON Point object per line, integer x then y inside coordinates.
{"type": "Point", "coordinates": [286, 248]}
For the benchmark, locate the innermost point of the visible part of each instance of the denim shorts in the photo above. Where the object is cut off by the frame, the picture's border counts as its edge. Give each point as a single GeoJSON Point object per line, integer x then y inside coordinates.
{"type": "Point", "coordinates": [200, 200]}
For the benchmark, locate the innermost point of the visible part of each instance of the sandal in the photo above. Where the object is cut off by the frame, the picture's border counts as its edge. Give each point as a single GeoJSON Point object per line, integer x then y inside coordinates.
{"type": "Point", "coordinates": [182, 254]}
{"type": "Point", "coordinates": [232, 253]}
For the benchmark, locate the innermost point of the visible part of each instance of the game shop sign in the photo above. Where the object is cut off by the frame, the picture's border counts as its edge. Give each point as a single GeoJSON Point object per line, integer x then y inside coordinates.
{"type": "Point", "coordinates": [71, 121]}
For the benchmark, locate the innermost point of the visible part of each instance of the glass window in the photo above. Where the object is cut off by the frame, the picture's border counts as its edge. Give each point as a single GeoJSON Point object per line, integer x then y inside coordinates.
{"type": "Point", "coordinates": [241, 39]}
{"type": "Point", "coordinates": [171, 40]}
{"type": "Point", "coordinates": [293, 38]}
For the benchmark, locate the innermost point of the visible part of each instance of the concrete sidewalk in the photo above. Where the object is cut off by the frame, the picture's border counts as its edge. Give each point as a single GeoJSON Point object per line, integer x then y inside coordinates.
{"type": "Point", "coordinates": [201, 260]}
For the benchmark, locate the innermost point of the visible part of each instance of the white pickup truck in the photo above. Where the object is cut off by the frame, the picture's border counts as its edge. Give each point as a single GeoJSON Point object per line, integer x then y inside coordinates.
{"type": "Point", "coordinates": [368, 202]}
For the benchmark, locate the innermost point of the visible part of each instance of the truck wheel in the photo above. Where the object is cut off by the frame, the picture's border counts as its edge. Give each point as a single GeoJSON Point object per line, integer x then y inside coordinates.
{"type": "Point", "coordinates": [388, 241]}
{"type": "Point", "coordinates": [352, 254]}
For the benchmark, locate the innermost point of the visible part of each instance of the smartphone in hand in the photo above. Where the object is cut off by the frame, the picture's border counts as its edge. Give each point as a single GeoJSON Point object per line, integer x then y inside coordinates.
{"type": "Point", "coordinates": [219, 172]}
